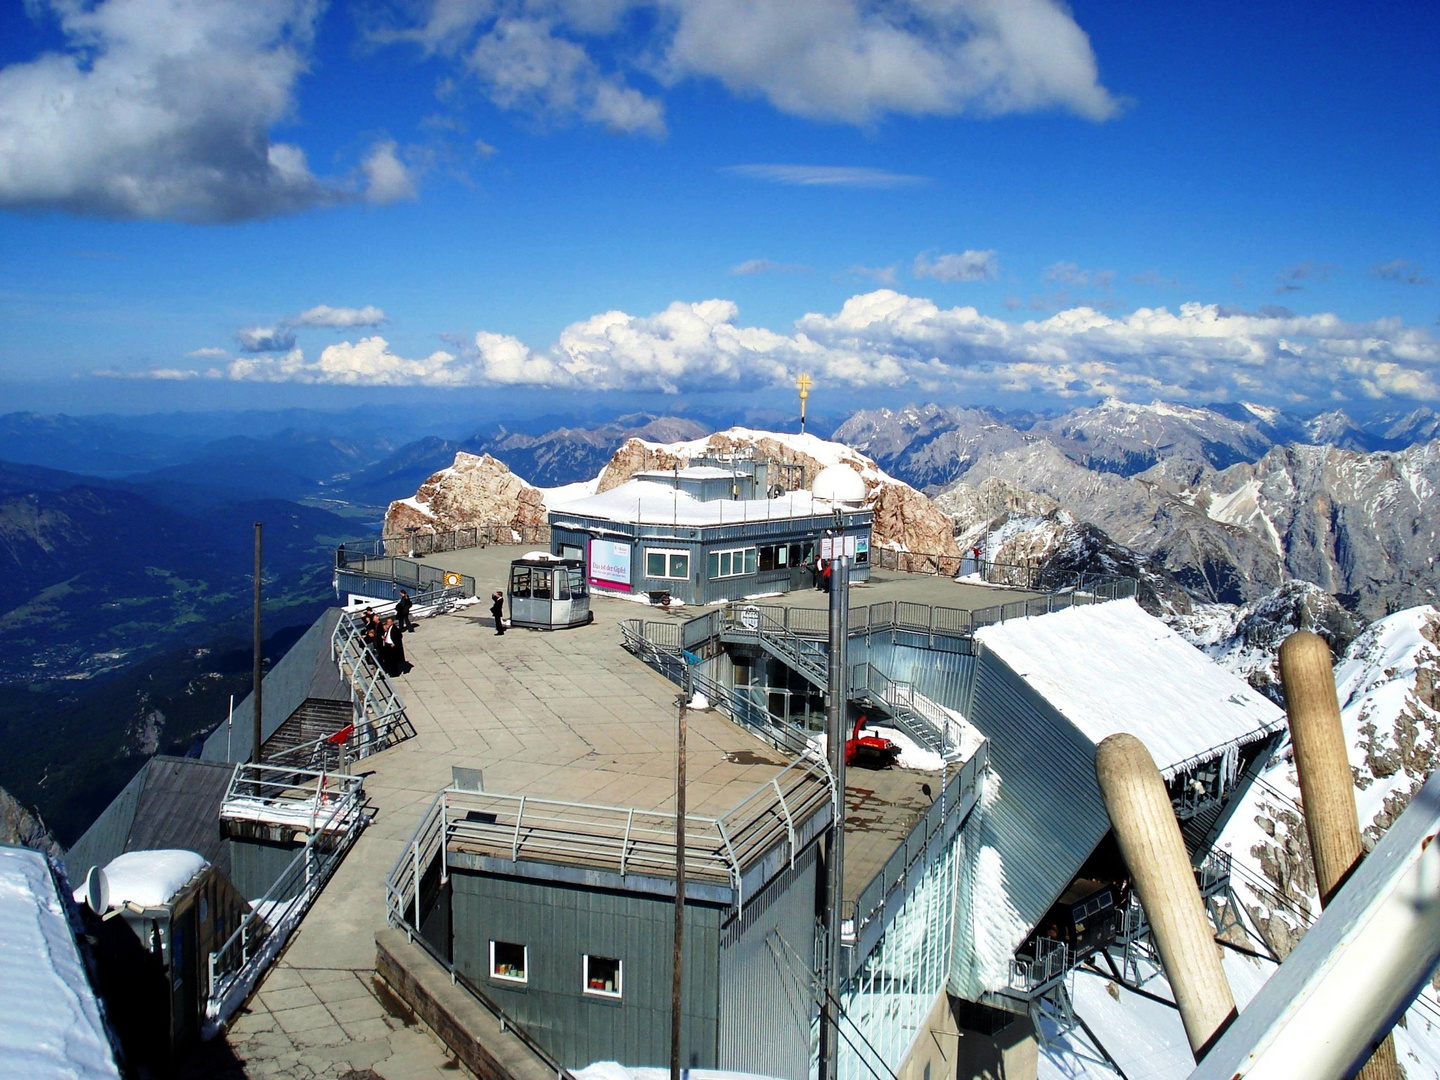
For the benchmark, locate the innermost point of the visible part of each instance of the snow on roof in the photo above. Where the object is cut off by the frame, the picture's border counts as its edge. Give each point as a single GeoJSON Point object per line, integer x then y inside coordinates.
{"type": "Point", "coordinates": [822, 450]}
{"type": "Point", "coordinates": [1111, 667]}
{"type": "Point", "coordinates": [693, 472]}
{"type": "Point", "coordinates": [50, 1025]}
{"type": "Point", "coordinates": [557, 497]}
{"type": "Point", "coordinates": [662, 504]}
{"type": "Point", "coordinates": [151, 878]}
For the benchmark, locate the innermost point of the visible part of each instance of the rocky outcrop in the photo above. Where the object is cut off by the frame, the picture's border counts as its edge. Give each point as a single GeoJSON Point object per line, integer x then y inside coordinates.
{"type": "Point", "coordinates": [474, 491]}
{"type": "Point", "coordinates": [905, 520]}
{"type": "Point", "coordinates": [21, 826]}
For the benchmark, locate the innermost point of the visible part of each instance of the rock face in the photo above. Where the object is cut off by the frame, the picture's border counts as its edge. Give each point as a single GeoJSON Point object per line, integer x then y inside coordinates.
{"type": "Point", "coordinates": [905, 520]}
{"type": "Point", "coordinates": [19, 826]}
{"type": "Point", "coordinates": [473, 491]}
{"type": "Point", "coordinates": [1390, 708]}
{"type": "Point", "coordinates": [1246, 640]}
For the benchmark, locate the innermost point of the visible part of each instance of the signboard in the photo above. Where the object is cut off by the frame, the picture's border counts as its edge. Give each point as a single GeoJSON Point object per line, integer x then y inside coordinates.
{"type": "Point", "coordinates": [832, 546]}
{"type": "Point", "coordinates": [750, 617]}
{"type": "Point", "coordinates": [610, 564]}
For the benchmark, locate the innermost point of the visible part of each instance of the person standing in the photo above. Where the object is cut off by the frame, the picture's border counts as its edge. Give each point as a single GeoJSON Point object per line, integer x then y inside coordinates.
{"type": "Point", "coordinates": [402, 612]}
{"type": "Point", "coordinates": [497, 609]}
{"type": "Point", "coordinates": [825, 577]}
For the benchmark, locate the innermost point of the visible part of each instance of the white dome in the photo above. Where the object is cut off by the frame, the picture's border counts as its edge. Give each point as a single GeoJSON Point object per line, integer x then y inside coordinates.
{"type": "Point", "coordinates": [839, 483]}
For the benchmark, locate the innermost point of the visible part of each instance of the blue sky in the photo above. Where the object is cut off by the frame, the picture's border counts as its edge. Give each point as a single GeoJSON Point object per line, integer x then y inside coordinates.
{"type": "Point", "coordinates": [964, 201]}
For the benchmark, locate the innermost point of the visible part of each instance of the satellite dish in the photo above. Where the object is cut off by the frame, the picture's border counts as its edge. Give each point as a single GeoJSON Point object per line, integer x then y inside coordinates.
{"type": "Point", "coordinates": [97, 891]}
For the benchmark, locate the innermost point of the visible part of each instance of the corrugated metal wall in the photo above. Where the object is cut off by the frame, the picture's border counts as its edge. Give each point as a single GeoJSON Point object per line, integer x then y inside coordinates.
{"type": "Point", "coordinates": [560, 924]}
{"type": "Point", "coordinates": [766, 1008]}
{"type": "Point", "coordinates": [255, 865]}
{"type": "Point", "coordinates": [1049, 815]}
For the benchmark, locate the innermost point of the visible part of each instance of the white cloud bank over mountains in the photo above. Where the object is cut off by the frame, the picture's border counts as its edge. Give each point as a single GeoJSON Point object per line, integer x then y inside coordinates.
{"type": "Point", "coordinates": [162, 109]}
{"type": "Point", "coordinates": [886, 339]}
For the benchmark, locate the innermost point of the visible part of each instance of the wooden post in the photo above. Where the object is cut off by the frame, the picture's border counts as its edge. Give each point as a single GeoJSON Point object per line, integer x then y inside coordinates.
{"type": "Point", "coordinates": [1327, 787]}
{"type": "Point", "coordinates": [677, 962]}
{"type": "Point", "coordinates": [1150, 840]}
{"type": "Point", "coordinates": [255, 694]}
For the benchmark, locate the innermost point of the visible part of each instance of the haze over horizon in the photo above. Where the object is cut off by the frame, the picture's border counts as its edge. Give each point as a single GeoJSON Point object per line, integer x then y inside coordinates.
{"type": "Point", "coordinates": [550, 206]}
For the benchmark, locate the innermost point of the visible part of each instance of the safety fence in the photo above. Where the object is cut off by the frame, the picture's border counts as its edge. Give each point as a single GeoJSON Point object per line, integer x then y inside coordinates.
{"type": "Point", "coordinates": [324, 807]}
{"type": "Point", "coordinates": [419, 542]}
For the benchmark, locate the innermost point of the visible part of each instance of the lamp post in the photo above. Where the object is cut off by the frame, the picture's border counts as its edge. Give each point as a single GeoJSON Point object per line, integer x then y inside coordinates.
{"type": "Point", "coordinates": [803, 384]}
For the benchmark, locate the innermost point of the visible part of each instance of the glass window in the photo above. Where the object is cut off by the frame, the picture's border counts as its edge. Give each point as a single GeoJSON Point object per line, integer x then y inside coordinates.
{"type": "Point", "coordinates": [520, 582]}
{"type": "Point", "coordinates": [673, 565]}
{"type": "Point", "coordinates": [562, 589]}
{"type": "Point", "coordinates": [539, 584]}
{"type": "Point", "coordinates": [602, 976]}
{"type": "Point", "coordinates": [767, 558]}
{"type": "Point", "coordinates": [508, 961]}
{"type": "Point", "coordinates": [725, 564]}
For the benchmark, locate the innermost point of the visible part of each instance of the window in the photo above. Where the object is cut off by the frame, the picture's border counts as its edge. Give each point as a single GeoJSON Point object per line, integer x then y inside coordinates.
{"type": "Point", "coordinates": [667, 564]}
{"type": "Point", "coordinates": [774, 557]}
{"type": "Point", "coordinates": [735, 563]}
{"type": "Point", "coordinates": [602, 976]}
{"type": "Point", "coordinates": [520, 582]}
{"type": "Point", "coordinates": [508, 961]}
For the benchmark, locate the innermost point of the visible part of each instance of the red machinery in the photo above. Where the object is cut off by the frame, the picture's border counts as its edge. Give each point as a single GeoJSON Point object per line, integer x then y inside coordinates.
{"type": "Point", "coordinates": [869, 751]}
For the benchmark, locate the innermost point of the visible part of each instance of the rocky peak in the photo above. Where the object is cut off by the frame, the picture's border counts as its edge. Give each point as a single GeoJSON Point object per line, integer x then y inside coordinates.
{"type": "Point", "coordinates": [474, 490]}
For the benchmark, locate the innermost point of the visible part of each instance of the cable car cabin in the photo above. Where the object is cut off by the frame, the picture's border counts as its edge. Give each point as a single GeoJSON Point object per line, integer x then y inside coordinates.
{"type": "Point", "coordinates": [1083, 917]}
{"type": "Point", "coordinates": [548, 592]}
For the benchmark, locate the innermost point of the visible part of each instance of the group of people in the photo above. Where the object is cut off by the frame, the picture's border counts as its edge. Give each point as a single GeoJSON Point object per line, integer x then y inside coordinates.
{"type": "Point", "coordinates": [386, 635]}
{"type": "Point", "coordinates": [822, 574]}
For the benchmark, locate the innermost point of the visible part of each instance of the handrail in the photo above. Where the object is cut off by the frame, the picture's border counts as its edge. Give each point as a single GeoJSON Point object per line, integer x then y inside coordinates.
{"type": "Point", "coordinates": [266, 793]}
{"type": "Point", "coordinates": [423, 542]}
{"type": "Point", "coordinates": [380, 720]}
{"type": "Point", "coordinates": [1014, 575]}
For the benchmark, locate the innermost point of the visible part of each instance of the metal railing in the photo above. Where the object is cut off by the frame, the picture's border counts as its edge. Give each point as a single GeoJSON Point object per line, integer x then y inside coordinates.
{"type": "Point", "coordinates": [421, 579]}
{"type": "Point", "coordinates": [422, 542]}
{"type": "Point", "coordinates": [808, 655]}
{"type": "Point", "coordinates": [926, 721]}
{"type": "Point", "coordinates": [328, 809]}
{"type": "Point", "coordinates": [1031, 975]}
{"type": "Point", "coordinates": [1011, 575]}
{"type": "Point", "coordinates": [379, 712]}
{"type": "Point", "coordinates": [616, 839]}
{"type": "Point", "coordinates": [870, 912]}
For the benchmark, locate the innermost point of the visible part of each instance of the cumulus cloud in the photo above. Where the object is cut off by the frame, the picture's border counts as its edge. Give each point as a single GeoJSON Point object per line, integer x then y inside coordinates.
{"type": "Point", "coordinates": [1401, 270]}
{"type": "Point", "coordinates": [281, 336]}
{"type": "Point", "coordinates": [162, 110]}
{"type": "Point", "coordinates": [260, 339]}
{"type": "Point", "coordinates": [848, 61]}
{"type": "Point", "coordinates": [343, 318]}
{"type": "Point", "coordinates": [826, 175]}
{"type": "Point", "coordinates": [885, 338]}
{"type": "Point", "coordinates": [967, 266]}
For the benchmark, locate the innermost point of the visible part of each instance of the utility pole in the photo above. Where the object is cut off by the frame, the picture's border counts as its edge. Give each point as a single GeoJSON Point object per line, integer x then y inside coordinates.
{"type": "Point", "coordinates": [835, 724]}
{"type": "Point", "coordinates": [677, 961]}
{"type": "Point", "coordinates": [255, 692]}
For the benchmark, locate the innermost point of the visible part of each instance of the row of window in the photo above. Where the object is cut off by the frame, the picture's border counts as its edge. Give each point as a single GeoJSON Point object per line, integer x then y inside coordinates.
{"type": "Point", "coordinates": [737, 562]}
{"type": "Point", "coordinates": [599, 975]}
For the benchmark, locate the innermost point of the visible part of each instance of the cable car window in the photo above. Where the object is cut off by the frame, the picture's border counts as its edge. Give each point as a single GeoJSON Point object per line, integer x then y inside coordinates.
{"type": "Point", "coordinates": [540, 584]}
{"type": "Point", "coordinates": [520, 582]}
{"type": "Point", "coordinates": [562, 585]}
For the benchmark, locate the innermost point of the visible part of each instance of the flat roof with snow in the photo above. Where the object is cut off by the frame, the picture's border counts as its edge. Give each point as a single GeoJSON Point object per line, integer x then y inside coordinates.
{"type": "Point", "coordinates": [50, 1025]}
{"type": "Point", "coordinates": [640, 501]}
{"type": "Point", "coordinates": [1111, 667]}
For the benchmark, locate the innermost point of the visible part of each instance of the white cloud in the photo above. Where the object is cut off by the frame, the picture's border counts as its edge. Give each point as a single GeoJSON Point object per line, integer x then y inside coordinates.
{"type": "Point", "coordinates": [160, 109]}
{"type": "Point", "coordinates": [1068, 273]}
{"type": "Point", "coordinates": [850, 61]}
{"type": "Point", "coordinates": [260, 339]}
{"type": "Point", "coordinates": [766, 266]}
{"type": "Point", "coordinates": [967, 266]}
{"type": "Point", "coordinates": [826, 175]}
{"type": "Point", "coordinates": [207, 353]}
{"type": "Point", "coordinates": [339, 317]}
{"type": "Point", "coordinates": [387, 179]}
{"type": "Point", "coordinates": [887, 339]}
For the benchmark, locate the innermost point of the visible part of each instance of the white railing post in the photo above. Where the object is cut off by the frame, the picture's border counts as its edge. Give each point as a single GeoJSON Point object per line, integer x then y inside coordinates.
{"type": "Point", "coordinates": [415, 852]}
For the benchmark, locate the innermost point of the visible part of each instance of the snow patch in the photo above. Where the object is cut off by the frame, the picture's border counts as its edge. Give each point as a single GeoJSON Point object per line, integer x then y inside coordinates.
{"type": "Point", "coordinates": [151, 878]}
{"type": "Point", "coordinates": [50, 1022]}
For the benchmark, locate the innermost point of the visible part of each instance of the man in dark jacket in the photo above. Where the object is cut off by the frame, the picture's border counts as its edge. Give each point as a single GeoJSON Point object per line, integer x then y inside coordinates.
{"type": "Point", "coordinates": [497, 609]}
{"type": "Point", "coordinates": [402, 612]}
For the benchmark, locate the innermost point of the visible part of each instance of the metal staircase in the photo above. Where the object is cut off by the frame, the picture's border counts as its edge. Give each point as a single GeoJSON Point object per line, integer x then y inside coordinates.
{"type": "Point", "coordinates": [807, 656]}
{"type": "Point", "coordinates": [926, 721]}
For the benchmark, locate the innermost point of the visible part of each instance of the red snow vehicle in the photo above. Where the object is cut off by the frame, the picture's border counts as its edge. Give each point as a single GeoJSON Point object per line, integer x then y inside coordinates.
{"type": "Point", "coordinates": [869, 751]}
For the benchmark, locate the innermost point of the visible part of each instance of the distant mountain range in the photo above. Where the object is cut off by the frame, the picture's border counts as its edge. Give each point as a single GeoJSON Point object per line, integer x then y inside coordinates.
{"type": "Point", "coordinates": [1210, 495]}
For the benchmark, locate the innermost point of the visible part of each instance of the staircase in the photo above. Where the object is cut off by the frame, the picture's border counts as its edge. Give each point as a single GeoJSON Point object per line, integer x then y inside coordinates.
{"type": "Point", "coordinates": [928, 723]}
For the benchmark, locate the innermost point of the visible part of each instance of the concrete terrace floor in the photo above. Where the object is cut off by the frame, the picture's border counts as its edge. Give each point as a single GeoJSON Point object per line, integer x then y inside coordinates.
{"type": "Point", "coordinates": [567, 714]}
